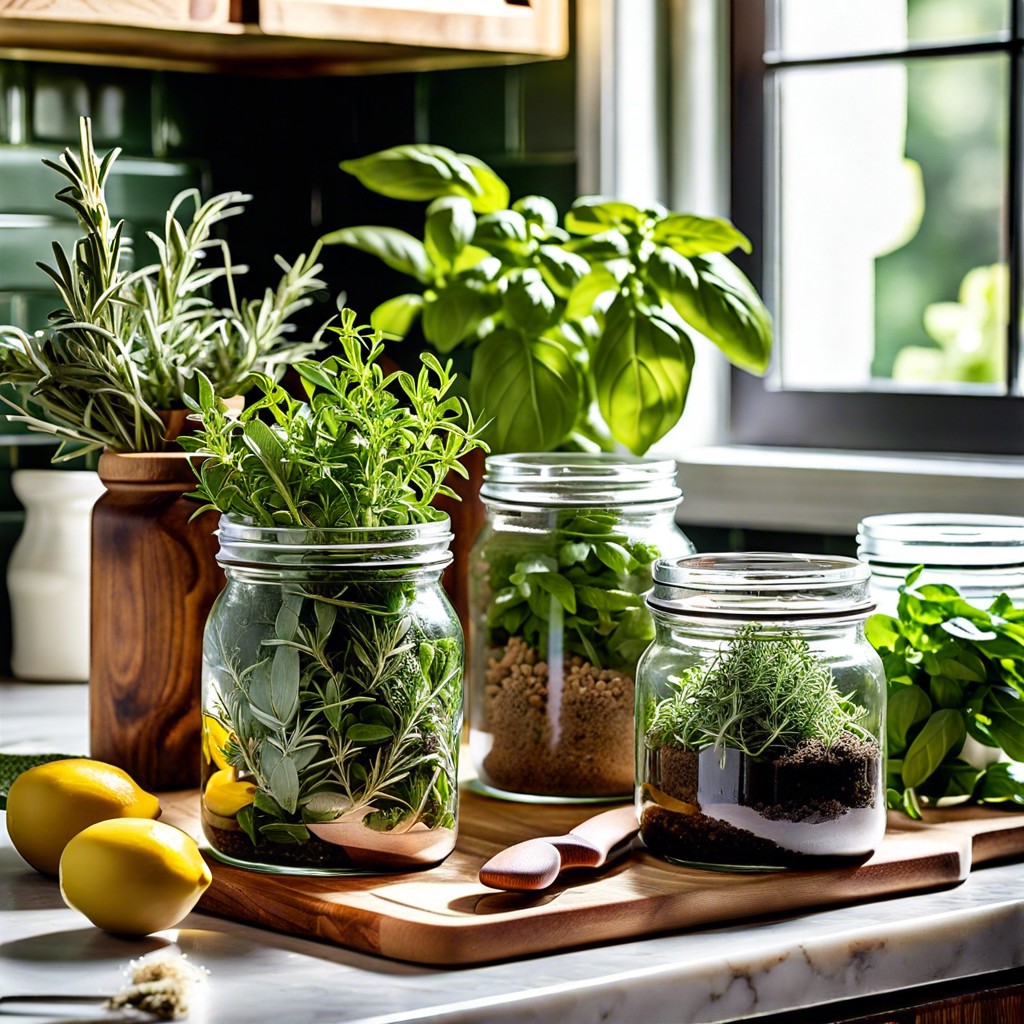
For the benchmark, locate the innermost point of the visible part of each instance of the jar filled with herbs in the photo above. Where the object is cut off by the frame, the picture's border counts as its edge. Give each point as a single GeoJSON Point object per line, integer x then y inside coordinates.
{"type": "Point", "coordinates": [333, 660]}
{"type": "Point", "coordinates": [760, 714]}
{"type": "Point", "coordinates": [558, 619]}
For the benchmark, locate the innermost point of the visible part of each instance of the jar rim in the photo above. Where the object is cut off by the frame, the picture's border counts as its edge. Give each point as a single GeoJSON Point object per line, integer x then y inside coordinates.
{"type": "Point", "coordinates": [768, 586]}
{"type": "Point", "coordinates": [565, 479]}
{"type": "Point", "coordinates": [941, 539]}
{"type": "Point", "coordinates": [419, 545]}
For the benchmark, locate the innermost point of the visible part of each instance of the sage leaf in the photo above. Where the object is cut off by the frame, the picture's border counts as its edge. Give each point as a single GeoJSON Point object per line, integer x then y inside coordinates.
{"type": "Point", "coordinates": [285, 833]}
{"type": "Point", "coordinates": [284, 784]}
{"type": "Point", "coordinates": [365, 733]}
{"type": "Point", "coordinates": [642, 374]}
{"type": "Point", "coordinates": [944, 731]}
{"type": "Point", "coordinates": [287, 622]}
{"type": "Point", "coordinates": [526, 389]}
{"type": "Point", "coordinates": [284, 683]}
{"type": "Point", "coordinates": [398, 249]}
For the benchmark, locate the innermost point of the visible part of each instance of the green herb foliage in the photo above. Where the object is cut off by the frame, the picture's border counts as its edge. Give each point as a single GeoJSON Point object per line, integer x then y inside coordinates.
{"type": "Point", "coordinates": [589, 583]}
{"type": "Point", "coordinates": [347, 711]}
{"type": "Point", "coordinates": [128, 344]}
{"type": "Point", "coordinates": [353, 455]}
{"type": "Point", "coordinates": [343, 691]}
{"type": "Point", "coordinates": [953, 671]}
{"type": "Point", "coordinates": [579, 334]}
{"type": "Point", "coordinates": [761, 694]}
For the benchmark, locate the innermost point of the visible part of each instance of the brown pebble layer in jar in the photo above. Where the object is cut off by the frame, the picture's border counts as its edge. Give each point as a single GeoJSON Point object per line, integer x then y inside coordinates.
{"type": "Point", "coordinates": [593, 754]}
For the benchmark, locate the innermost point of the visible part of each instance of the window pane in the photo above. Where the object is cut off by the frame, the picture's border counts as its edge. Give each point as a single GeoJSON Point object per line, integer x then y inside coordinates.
{"type": "Point", "coordinates": [891, 189]}
{"type": "Point", "coordinates": [808, 28]}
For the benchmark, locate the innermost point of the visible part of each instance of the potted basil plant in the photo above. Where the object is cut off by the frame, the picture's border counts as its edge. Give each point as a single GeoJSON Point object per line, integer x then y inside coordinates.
{"type": "Point", "coordinates": [333, 660]}
{"type": "Point", "coordinates": [577, 334]}
{"type": "Point", "coordinates": [112, 373]}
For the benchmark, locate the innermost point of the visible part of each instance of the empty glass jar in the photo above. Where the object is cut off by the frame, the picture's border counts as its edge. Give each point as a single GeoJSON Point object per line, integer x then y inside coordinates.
{"type": "Point", "coordinates": [760, 714]}
{"type": "Point", "coordinates": [981, 555]}
{"type": "Point", "coordinates": [558, 619]}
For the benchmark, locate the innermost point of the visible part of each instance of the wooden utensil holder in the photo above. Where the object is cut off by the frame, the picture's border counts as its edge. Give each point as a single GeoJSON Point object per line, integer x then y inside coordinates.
{"type": "Point", "coordinates": [154, 579]}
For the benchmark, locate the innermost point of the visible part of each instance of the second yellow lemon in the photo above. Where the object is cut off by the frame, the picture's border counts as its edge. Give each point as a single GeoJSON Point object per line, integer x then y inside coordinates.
{"type": "Point", "coordinates": [133, 876]}
{"type": "Point", "coordinates": [49, 804]}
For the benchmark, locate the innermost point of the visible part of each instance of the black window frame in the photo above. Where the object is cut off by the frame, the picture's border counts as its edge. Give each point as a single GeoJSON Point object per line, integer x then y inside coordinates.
{"type": "Point", "coordinates": [878, 421]}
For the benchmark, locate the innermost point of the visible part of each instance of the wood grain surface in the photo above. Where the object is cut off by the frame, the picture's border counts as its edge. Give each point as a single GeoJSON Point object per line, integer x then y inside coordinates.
{"type": "Point", "coordinates": [445, 916]}
{"type": "Point", "coordinates": [154, 578]}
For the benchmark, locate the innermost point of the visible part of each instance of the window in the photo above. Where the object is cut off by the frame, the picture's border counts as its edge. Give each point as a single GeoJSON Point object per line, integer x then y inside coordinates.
{"type": "Point", "coordinates": [877, 166]}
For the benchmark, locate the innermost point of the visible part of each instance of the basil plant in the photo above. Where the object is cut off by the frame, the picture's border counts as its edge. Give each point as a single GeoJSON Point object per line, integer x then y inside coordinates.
{"type": "Point", "coordinates": [579, 334]}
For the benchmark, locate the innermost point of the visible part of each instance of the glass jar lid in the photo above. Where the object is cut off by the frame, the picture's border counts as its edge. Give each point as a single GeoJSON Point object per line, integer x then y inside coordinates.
{"type": "Point", "coordinates": [565, 479]}
{"type": "Point", "coordinates": [941, 539]}
{"type": "Point", "coordinates": [762, 586]}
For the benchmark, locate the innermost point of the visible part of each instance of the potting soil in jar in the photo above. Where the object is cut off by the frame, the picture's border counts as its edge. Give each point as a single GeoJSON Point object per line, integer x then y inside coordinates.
{"type": "Point", "coordinates": [759, 742]}
{"type": "Point", "coordinates": [559, 620]}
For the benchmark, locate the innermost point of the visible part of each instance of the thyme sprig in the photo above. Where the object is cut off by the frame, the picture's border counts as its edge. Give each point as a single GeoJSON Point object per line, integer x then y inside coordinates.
{"type": "Point", "coordinates": [761, 694]}
{"type": "Point", "coordinates": [127, 344]}
{"type": "Point", "coordinates": [353, 455]}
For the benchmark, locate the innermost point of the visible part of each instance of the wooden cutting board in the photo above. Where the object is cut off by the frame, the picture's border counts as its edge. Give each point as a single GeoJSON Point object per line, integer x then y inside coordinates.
{"type": "Point", "coordinates": [445, 916]}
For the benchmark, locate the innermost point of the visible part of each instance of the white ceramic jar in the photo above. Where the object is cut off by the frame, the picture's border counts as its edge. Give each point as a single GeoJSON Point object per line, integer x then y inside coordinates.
{"type": "Point", "coordinates": [48, 575]}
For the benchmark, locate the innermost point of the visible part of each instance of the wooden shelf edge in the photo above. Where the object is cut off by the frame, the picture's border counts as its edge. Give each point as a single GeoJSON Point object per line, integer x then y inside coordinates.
{"type": "Point", "coordinates": [294, 47]}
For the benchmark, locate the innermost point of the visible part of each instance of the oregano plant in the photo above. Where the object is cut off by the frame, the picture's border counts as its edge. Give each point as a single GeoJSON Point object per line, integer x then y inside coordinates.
{"type": "Point", "coordinates": [333, 662]}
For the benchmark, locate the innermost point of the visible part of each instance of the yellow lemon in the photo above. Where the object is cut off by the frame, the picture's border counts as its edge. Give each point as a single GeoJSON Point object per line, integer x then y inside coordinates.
{"type": "Point", "coordinates": [215, 741]}
{"type": "Point", "coordinates": [132, 876]}
{"type": "Point", "coordinates": [50, 803]}
{"type": "Point", "coordinates": [225, 796]}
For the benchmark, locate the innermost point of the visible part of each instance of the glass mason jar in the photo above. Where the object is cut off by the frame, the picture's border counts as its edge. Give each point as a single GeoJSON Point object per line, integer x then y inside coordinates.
{"type": "Point", "coordinates": [760, 714]}
{"type": "Point", "coordinates": [332, 700]}
{"type": "Point", "coordinates": [982, 556]}
{"type": "Point", "coordinates": [558, 622]}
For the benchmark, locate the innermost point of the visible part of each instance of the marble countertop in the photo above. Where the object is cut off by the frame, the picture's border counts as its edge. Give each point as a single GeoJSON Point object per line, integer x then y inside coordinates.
{"type": "Point", "coordinates": [712, 975]}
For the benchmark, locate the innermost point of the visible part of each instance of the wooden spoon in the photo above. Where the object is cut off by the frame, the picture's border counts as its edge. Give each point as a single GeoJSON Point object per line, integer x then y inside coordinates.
{"type": "Point", "coordinates": [536, 863]}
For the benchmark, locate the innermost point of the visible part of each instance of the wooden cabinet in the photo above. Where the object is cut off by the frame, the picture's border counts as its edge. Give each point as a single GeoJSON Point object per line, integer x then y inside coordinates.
{"type": "Point", "coordinates": [285, 36]}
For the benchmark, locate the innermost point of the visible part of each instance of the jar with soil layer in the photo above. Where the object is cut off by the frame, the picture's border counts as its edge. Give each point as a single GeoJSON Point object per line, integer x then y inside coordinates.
{"type": "Point", "coordinates": [558, 620]}
{"type": "Point", "coordinates": [760, 714]}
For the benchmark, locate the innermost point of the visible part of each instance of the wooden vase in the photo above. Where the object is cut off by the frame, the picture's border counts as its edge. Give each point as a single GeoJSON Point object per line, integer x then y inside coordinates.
{"type": "Point", "coordinates": [154, 579]}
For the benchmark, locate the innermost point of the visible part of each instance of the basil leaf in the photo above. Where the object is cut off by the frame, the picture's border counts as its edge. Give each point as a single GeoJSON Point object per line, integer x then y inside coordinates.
{"type": "Point", "coordinates": [641, 374]}
{"type": "Point", "coordinates": [690, 235]}
{"type": "Point", "coordinates": [584, 297]}
{"type": "Point", "coordinates": [592, 215]}
{"type": "Point", "coordinates": [363, 732]}
{"type": "Point", "coordinates": [449, 228]}
{"type": "Point", "coordinates": [944, 731]}
{"type": "Point", "coordinates": [415, 172]}
{"type": "Point", "coordinates": [946, 692]}
{"type": "Point", "coordinates": [527, 389]}
{"type": "Point", "coordinates": [396, 316]}
{"type": "Point", "coordinates": [455, 315]}
{"type": "Point", "coordinates": [908, 705]}
{"type": "Point", "coordinates": [882, 632]}
{"type": "Point", "coordinates": [1003, 782]}
{"type": "Point", "coordinates": [491, 193]}
{"type": "Point", "coordinates": [529, 304]}
{"type": "Point", "coordinates": [559, 588]}
{"type": "Point", "coordinates": [562, 270]}
{"type": "Point", "coordinates": [398, 249]}
{"type": "Point", "coordinates": [712, 295]}
{"type": "Point", "coordinates": [504, 234]}
{"type": "Point", "coordinates": [537, 210]}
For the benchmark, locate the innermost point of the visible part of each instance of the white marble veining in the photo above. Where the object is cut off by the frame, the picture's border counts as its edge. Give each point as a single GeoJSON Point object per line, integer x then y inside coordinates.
{"type": "Point", "coordinates": [719, 974]}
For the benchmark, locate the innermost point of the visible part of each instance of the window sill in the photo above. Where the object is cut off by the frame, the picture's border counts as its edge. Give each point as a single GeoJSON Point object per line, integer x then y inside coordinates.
{"type": "Point", "coordinates": [823, 491]}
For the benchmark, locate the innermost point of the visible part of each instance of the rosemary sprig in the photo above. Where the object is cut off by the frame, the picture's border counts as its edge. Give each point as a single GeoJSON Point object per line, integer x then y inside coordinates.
{"type": "Point", "coordinates": [126, 345]}
{"type": "Point", "coordinates": [760, 694]}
